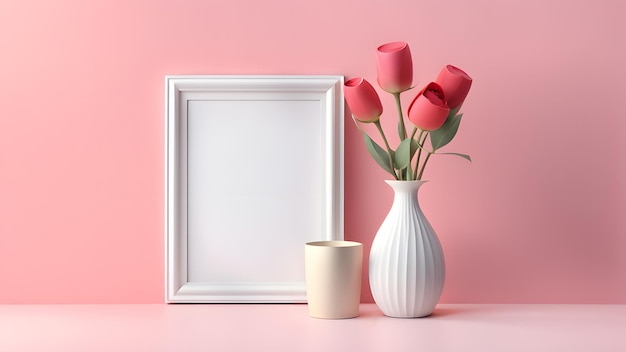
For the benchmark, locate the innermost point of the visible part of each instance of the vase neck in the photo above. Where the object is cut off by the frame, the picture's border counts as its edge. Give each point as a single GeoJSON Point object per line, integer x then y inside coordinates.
{"type": "Point", "coordinates": [405, 186]}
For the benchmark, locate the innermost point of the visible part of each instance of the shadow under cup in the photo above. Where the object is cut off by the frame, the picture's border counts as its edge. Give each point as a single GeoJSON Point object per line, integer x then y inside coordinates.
{"type": "Point", "coordinates": [333, 278]}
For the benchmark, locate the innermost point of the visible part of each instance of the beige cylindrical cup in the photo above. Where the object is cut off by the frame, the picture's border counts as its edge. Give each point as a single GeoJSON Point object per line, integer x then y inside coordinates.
{"type": "Point", "coordinates": [333, 278]}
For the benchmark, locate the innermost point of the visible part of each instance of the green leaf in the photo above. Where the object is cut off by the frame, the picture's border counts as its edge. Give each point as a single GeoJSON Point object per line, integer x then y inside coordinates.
{"type": "Point", "coordinates": [444, 135]}
{"type": "Point", "coordinates": [464, 156]}
{"type": "Point", "coordinates": [405, 152]}
{"type": "Point", "coordinates": [378, 153]}
{"type": "Point", "coordinates": [454, 111]}
{"type": "Point", "coordinates": [408, 174]}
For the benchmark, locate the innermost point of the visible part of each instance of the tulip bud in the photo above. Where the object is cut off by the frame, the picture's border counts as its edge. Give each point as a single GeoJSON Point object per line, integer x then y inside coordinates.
{"type": "Point", "coordinates": [362, 100]}
{"type": "Point", "coordinates": [429, 110]}
{"type": "Point", "coordinates": [394, 66]}
{"type": "Point", "coordinates": [456, 83]}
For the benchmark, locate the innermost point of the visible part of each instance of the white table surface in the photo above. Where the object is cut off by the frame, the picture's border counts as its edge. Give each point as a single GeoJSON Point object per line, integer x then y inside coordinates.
{"type": "Point", "coordinates": [287, 327]}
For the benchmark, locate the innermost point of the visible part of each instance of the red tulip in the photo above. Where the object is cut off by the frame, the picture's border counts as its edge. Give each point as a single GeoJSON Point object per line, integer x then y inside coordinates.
{"type": "Point", "coordinates": [362, 100]}
{"type": "Point", "coordinates": [456, 83]}
{"type": "Point", "coordinates": [394, 66]}
{"type": "Point", "coordinates": [429, 110]}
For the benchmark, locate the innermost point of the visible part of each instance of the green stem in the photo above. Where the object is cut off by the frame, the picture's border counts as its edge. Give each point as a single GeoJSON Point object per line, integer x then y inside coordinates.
{"type": "Point", "coordinates": [382, 133]}
{"type": "Point", "coordinates": [410, 175]}
{"type": "Point", "coordinates": [401, 127]}
{"type": "Point", "coordinates": [413, 132]}
{"type": "Point", "coordinates": [420, 142]}
{"type": "Point", "coordinates": [419, 177]}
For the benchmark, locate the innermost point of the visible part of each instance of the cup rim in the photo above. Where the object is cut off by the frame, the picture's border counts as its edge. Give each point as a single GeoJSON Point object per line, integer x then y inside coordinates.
{"type": "Point", "coordinates": [334, 244]}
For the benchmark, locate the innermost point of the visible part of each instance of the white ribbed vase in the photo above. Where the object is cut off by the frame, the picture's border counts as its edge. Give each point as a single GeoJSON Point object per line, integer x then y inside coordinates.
{"type": "Point", "coordinates": [406, 265]}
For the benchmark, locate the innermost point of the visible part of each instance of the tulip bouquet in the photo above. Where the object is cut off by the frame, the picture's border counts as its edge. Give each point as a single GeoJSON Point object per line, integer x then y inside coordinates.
{"type": "Point", "coordinates": [433, 112]}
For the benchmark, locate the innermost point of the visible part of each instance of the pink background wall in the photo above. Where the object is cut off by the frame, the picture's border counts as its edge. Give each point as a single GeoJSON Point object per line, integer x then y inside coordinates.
{"type": "Point", "coordinates": [537, 217]}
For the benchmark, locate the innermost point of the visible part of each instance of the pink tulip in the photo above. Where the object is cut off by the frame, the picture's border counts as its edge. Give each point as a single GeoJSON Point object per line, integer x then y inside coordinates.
{"type": "Point", "coordinates": [429, 110]}
{"type": "Point", "coordinates": [394, 66]}
{"type": "Point", "coordinates": [362, 100]}
{"type": "Point", "coordinates": [456, 83]}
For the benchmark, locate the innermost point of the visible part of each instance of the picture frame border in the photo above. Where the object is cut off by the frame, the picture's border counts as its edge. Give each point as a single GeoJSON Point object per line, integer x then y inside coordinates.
{"type": "Point", "coordinates": [178, 90]}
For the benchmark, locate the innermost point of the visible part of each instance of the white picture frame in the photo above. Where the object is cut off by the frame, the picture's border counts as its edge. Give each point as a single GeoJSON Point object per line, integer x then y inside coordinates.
{"type": "Point", "coordinates": [254, 170]}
